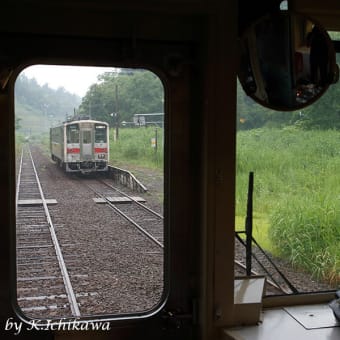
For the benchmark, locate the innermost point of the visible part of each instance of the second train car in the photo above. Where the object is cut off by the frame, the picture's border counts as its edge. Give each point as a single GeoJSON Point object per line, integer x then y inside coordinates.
{"type": "Point", "coordinates": [81, 145]}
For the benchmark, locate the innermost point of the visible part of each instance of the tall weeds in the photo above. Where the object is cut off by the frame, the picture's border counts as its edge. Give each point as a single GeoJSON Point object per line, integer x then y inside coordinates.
{"type": "Point", "coordinates": [297, 188]}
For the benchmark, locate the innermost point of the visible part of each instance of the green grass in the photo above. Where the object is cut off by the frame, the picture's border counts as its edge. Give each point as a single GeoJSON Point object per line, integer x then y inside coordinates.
{"type": "Point", "coordinates": [296, 194]}
{"type": "Point", "coordinates": [32, 121]}
{"type": "Point", "coordinates": [133, 147]}
{"type": "Point", "coordinates": [260, 230]}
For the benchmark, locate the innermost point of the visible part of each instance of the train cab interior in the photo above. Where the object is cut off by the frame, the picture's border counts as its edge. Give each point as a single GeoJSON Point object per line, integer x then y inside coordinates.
{"type": "Point", "coordinates": [198, 49]}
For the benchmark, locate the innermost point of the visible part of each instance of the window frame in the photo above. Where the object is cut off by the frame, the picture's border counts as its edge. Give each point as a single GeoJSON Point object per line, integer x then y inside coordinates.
{"type": "Point", "coordinates": [173, 277]}
{"type": "Point", "coordinates": [314, 297]}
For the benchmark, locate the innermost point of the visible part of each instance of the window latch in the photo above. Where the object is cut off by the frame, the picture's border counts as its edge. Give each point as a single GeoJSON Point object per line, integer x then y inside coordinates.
{"type": "Point", "coordinates": [176, 319]}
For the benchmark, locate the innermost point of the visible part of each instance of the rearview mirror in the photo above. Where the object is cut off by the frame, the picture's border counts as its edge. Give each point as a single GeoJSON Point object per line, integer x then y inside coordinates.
{"type": "Point", "coordinates": [287, 61]}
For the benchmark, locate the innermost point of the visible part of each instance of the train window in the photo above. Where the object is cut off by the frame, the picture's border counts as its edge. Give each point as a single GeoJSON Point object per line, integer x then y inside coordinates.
{"type": "Point", "coordinates": [100, 134]}
{"type": "Point", "coordinates": [72, 133]}
{"type": "Point", "coordinates": [293, 158]}
{"type": "Point", "coordinates": [87, 137]}
{"type": "Point", "coordinates": [334, 35]}
{"type": "Point", "coordinates": [89, 203]}
{"type": "Point", "coordinates": [284, 5]}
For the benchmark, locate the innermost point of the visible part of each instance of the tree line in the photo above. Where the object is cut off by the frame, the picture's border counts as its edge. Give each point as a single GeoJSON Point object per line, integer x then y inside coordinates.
{"type": "Point", "coordinates": [38, 107]}
{"type": "Point", "coordinates": [121, 95]}
{"type": "Point", "coordinates": [34, 99]}
{"type": "Point", "coordinates": [126, 92]}
{"type": "Point", "coordinates": [129, 92]}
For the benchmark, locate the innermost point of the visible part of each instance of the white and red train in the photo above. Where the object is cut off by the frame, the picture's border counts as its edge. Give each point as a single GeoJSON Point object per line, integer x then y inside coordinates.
{"type": "Point", "coordinates": [81, 145]}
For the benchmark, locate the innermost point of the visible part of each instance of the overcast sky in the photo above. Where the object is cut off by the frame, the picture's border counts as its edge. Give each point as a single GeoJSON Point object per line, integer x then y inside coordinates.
{"type": "Point", "coordinates": [75, 79]}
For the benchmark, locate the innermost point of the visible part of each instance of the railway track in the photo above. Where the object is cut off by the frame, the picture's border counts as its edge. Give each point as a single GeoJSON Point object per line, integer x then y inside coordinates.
{"type": "Point", "coordinates": [275, 285]}
{"type": "Point", "coordinates": [262, 265]}
{"type": "Point", "coordinates": [111, 268]}
{"type": "Point", "coordinates": [147, 221]}
{"type": "Point", "coordinates": [272, 288]}
{"type": "Point", "coordinates": [150, 223]}
{"type": "Point", "coordinates": [43, 281]}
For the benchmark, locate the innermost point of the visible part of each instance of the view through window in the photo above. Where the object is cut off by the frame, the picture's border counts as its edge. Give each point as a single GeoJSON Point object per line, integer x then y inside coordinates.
{"type": "Point", "coordinates": [295, 161]}
{"type": "Point", "coordinates": [89, 203]}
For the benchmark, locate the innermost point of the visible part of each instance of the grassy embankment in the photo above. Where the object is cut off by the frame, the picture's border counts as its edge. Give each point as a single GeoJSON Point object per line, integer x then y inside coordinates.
{"type": "Point", "coordinates": [133, 147]}
{"type": "Point", "coordinates": [296, 195]}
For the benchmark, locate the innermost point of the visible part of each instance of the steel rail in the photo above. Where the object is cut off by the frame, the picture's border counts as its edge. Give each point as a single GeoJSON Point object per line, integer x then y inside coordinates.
{"type": "Point", "coordinates": [264, 267]}
{"type": "Point", "coordinates": [66, 278]}
{"type": "Point", "coordinates": [270, 282]}
{"type": "Point", "coordinates": [132, 199]}
{"type": "Point", "coordinates": [18, 180]}
{"type": "Point", "coordinates": [140, 228]}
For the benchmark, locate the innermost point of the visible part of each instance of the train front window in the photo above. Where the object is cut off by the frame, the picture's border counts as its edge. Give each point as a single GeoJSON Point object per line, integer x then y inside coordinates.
{"type": "Point", "coordinates": [100, 134]}
{"type": "Point", "coordinates": [90, 236]}
{"type": "Point", "coordinates": [87, 137]}
{"type": "Point", "coordinates": [294, 158]}
{"type": "Point", "coordinates": [72, 133]}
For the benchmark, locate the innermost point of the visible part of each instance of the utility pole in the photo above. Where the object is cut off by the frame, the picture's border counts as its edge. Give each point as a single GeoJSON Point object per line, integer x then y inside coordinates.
{"type": "Point", "coordinates": [116, 113]}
